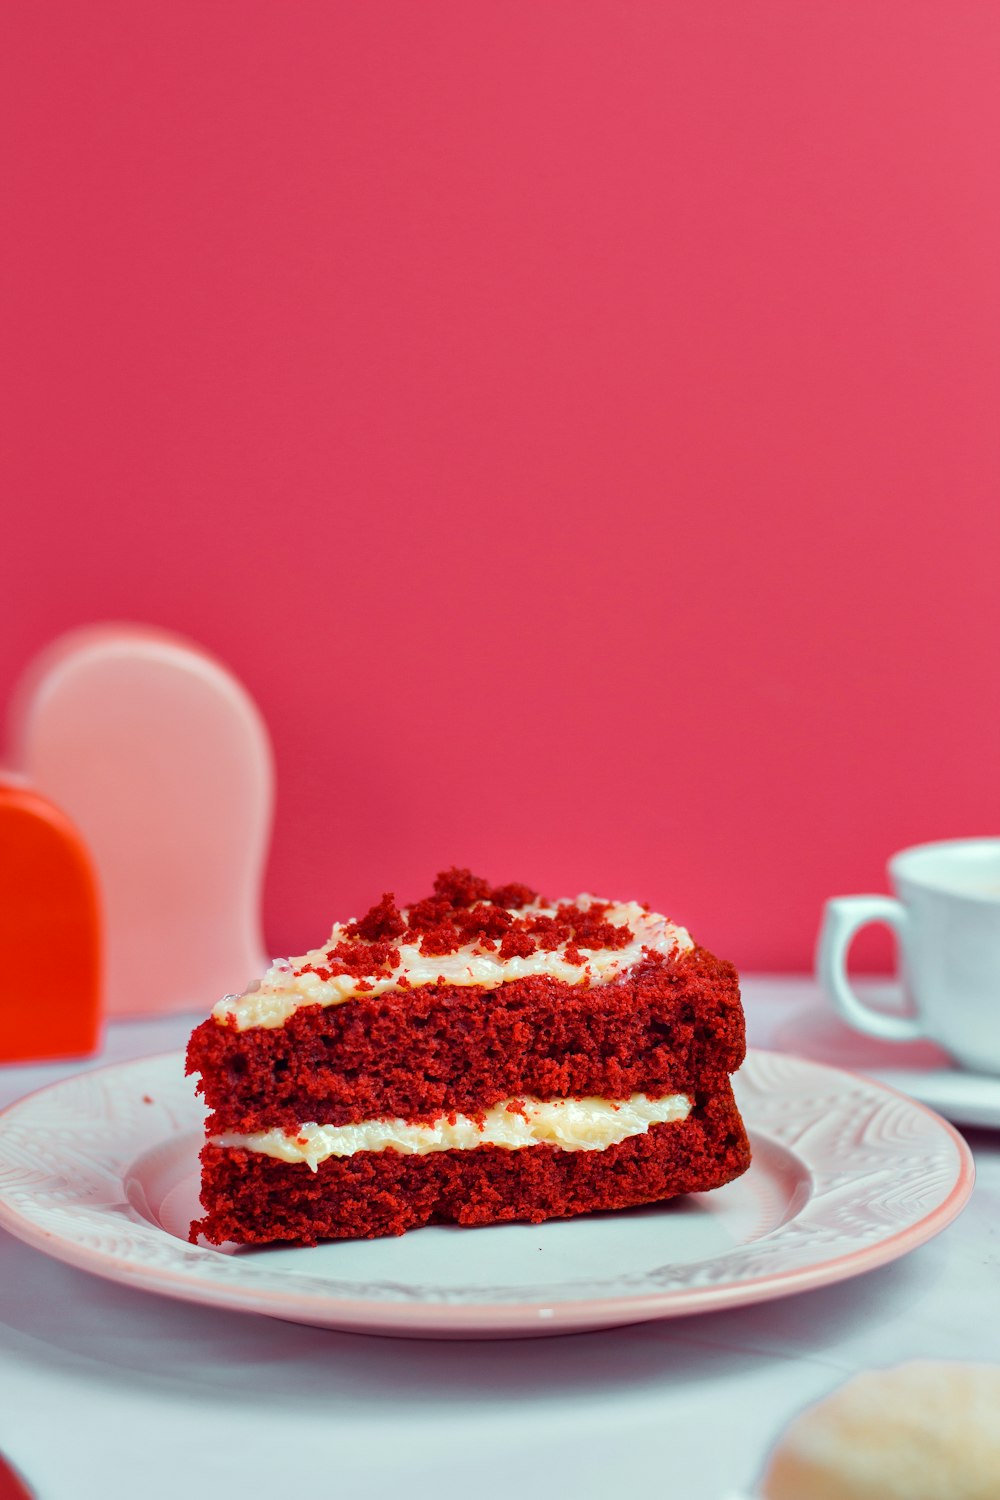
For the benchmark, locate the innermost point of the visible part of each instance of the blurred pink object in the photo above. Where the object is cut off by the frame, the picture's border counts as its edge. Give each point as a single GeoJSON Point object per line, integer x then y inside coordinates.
{"type": "Point", "coordinates": [163, 761]}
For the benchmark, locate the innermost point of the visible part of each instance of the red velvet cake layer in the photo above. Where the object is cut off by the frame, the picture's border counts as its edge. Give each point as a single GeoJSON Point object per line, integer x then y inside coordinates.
{"type": "Point", "coordinates": [668, 1026]}
{"type": "Point", "coordinates": [254, 1199]}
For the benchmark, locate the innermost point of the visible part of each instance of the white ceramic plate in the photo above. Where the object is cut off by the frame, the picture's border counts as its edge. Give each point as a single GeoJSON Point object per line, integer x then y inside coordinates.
{"type": "Point", "coordinates": [101, 1171]}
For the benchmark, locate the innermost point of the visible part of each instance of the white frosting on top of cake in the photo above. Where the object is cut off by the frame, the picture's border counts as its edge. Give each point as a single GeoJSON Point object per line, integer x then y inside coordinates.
{"type": "Point", "coordinates": [285, 988]}
{"type": "Point", "coordinates": [589, 1124]}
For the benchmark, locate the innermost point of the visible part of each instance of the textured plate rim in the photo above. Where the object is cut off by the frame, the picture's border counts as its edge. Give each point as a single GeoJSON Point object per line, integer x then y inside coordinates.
{"type": "Point", "coordinates": [433, 1318]}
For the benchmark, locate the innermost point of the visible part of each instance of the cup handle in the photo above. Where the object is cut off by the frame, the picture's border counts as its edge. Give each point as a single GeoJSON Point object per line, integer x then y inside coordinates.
{"type": "Point", "coordinates": [843, 918]}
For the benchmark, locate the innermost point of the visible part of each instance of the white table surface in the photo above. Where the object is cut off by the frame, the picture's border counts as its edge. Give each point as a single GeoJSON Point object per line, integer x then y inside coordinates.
{"type": "Point", "coordinates": [108, 1392]}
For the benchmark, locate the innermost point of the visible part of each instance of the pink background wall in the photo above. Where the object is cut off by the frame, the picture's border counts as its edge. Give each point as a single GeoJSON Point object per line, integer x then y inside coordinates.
{"type": "Point", "coordinates": [575, 422]}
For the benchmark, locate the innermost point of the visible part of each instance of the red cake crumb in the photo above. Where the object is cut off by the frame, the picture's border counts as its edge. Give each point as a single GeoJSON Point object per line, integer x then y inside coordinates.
{"type": "Point", "coordinates": [484, 920]}
{"type": "Point", "coordinates": [425, 915]}
{"type": "Point", "coordinates": [440, 940]}
{"type": "Point", "coordinates": [517, 944]}
{"type": "Point", "coordinates": [383, 921]}
{"type": "Point", "coordinates": [461, 887]}
{"type": "Point", "coordinates": [513, 896]}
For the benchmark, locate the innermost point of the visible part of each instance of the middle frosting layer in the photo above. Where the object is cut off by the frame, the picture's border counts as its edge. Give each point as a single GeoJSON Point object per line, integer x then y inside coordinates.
{"type": "Point", "coordinates": [590, 1124]}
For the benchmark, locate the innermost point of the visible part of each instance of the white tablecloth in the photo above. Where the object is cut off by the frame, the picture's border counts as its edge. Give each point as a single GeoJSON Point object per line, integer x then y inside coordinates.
{"type": "Point", "coordinates": [110, 1393]}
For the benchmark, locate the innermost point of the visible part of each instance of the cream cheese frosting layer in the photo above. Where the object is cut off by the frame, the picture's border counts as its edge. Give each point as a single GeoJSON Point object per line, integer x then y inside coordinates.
{"type": "Point", "coordinates": [285, 988]}
{"type": "Point", "coordinates": [589, 1124]}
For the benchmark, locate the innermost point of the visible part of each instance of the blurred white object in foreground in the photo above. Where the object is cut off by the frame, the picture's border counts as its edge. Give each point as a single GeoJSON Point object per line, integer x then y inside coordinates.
{"type": "Point", "coordinates": [927, 1430]}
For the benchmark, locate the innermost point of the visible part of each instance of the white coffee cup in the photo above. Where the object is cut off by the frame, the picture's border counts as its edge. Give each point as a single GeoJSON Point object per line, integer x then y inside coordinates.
{"type": "Point", "coordinates": [946, 917]}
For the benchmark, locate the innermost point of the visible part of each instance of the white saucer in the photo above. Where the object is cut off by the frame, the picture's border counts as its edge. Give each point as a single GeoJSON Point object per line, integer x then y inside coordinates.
{"type": "Point", "coordinates": [919, 1069]}
{"type": "Point", "coordinates": [101, 1170]}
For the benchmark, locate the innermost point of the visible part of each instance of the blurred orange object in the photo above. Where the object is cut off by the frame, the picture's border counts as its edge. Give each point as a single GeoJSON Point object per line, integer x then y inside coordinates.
{"type": "Point", "coordinates": [50, 932]}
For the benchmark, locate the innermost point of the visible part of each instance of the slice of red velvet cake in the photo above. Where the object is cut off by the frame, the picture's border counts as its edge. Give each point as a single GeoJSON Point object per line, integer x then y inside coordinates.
{"type": "Point", "coordinates": [483, 1055]}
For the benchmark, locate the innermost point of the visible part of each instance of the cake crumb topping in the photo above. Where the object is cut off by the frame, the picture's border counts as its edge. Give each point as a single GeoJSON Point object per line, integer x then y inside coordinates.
{"type": "Point", "coordinates": [467, 932]}
{"type": "Point", "coordinates": [466, 912]}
